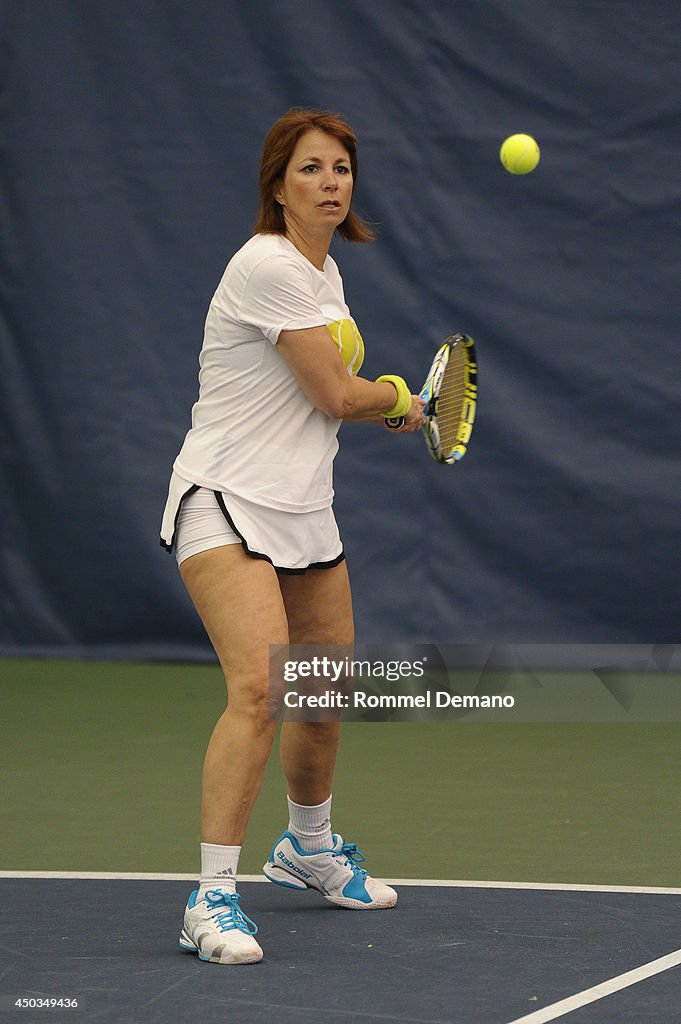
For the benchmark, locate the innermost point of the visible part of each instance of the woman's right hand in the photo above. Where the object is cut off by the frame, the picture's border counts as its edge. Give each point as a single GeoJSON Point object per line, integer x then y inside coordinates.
{"type": "Point", "coordinates": [414, 419]}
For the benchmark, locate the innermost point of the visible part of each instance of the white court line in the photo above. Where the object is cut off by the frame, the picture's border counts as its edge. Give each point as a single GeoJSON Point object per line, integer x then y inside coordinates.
{"type": "Point", "coordinates": [540, 886]}
{"type": "Point", "coordinates": [606, 988]}
{"type": "Point", "coordinates": [152, 876]}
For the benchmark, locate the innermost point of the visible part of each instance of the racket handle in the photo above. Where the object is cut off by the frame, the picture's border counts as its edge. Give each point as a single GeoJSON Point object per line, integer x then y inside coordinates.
{"type": "Point", "coordinates": [394, 422]}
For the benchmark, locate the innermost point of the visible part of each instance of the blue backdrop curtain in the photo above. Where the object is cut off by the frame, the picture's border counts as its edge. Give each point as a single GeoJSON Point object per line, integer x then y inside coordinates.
{"type": "Point", "coordinates": [130, 134]}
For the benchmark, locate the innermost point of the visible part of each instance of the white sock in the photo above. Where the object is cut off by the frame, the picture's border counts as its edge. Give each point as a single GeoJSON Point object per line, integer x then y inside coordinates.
{"type": "Point", "coordinates": [218, 868]}
{"type": "Point", "coordinates": [311, 825]}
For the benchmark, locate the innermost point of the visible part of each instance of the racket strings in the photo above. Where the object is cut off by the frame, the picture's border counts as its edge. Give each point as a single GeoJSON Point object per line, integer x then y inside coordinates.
{"type": "Point", "coordinates": [450, 404]}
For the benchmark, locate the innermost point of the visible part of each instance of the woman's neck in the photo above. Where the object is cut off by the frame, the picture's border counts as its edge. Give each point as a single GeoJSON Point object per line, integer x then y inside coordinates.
{"type": "Point", "coordinates": [314, 249]}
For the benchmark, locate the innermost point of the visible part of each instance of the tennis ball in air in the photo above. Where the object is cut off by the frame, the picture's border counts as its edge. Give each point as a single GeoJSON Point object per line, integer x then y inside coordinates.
{"type": "Point", "coordinates": [519, 154]}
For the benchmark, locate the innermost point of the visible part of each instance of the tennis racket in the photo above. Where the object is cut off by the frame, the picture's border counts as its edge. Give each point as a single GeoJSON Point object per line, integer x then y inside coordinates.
{"type": "Point", "coordinates": [450, 394]}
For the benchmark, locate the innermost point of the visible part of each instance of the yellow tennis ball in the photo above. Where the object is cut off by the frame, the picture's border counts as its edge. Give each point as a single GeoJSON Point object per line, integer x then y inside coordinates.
{"type": "Point", "coordinates": [519, 154]}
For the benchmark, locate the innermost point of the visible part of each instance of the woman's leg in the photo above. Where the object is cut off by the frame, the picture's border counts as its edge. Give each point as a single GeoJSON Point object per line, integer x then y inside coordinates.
{"type": "Point", "coordinates": [239, 601]}
{"type": "Point", "coordinates": [319, 611]}
{"type": "Point", "coordinates": [240, 604]}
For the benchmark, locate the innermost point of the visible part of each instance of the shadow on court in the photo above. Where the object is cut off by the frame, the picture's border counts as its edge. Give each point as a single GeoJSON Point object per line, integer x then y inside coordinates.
{"type": "Point", "coordinates": [442, 956]}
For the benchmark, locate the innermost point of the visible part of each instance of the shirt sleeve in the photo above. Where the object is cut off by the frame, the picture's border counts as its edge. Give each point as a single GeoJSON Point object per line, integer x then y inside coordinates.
{"type": "Point", "coordinates": [278, 297]}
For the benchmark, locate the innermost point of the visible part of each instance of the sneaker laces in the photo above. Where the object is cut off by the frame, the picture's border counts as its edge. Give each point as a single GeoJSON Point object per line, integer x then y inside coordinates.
{"type": "Point", "coordinates": [353, 856]}
{"type": "Point", "coordinates": [232, 918]}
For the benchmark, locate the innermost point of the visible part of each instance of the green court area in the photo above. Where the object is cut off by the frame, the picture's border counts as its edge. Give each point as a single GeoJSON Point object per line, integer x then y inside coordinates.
{"type": "Point", "coordinates": [101, 767]}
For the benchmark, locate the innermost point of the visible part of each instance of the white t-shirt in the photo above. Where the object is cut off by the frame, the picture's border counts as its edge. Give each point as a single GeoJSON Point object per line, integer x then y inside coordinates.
{"type": "Point", "coordinates": [254, 433]}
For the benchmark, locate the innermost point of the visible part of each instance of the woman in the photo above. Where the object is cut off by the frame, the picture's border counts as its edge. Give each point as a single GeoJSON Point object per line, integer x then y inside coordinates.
{"type": "Point", "coordinates": [249, 514]}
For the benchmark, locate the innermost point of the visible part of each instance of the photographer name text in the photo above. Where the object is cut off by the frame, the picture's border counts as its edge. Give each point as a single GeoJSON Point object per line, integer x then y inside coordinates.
{"type": "Point", "coordinates": [359, 699]}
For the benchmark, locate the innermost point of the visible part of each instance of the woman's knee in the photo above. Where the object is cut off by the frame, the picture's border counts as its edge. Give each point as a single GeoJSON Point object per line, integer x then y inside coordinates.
{"type": "Point", "coordinates": [260, 701]}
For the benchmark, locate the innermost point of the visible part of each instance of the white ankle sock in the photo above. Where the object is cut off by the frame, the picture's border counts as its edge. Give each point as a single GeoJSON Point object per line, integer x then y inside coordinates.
{"type": "Point", "coordinates": [219, 866]}
{"type": "Point", "coordinates": [311, 825]}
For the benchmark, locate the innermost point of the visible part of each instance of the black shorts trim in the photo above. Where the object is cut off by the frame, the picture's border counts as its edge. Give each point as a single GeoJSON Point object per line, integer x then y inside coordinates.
{"type": "Point", "coordinates": [169, 546]}
{"type": "Point", "coordinates": [266, 558]}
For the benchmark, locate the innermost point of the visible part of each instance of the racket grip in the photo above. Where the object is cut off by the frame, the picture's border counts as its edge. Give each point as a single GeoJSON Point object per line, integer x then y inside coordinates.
{"type": "Point", "coordinates": [394, 422]}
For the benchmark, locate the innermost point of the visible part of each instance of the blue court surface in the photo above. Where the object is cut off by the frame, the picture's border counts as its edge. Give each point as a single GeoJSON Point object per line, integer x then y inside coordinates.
{"type": "Point", "coordinates": [447, 954]}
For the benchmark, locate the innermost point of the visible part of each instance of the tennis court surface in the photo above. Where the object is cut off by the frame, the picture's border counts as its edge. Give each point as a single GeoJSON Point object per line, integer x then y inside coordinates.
{"type": "Point", "coordinates": [445, 954]}
{"type": "Point", "coordinates": [566, 838]}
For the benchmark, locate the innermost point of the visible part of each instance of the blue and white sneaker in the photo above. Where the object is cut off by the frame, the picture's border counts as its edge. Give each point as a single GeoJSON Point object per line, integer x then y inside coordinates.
{"type": "Point", "coordinates": [217, 929]}
{"type": "Point", "coordinates": [333, 872]}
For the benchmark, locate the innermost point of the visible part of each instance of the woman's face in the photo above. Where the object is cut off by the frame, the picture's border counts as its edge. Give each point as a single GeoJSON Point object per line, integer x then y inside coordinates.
{"type": "Point", "coordinates": [316, 189]}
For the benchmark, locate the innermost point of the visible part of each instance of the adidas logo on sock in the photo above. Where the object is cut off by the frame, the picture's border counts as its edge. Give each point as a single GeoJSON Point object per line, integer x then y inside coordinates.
{"type": "Point", "coordinates": [226, 872]}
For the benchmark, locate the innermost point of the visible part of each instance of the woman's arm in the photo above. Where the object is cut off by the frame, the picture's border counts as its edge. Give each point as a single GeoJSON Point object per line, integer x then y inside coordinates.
{"type": "Point", "coordinates": [314, 360]}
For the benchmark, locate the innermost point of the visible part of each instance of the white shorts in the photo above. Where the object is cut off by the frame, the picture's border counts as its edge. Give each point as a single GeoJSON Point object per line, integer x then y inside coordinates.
{"type": "Point", "coordinates": [197, 519]}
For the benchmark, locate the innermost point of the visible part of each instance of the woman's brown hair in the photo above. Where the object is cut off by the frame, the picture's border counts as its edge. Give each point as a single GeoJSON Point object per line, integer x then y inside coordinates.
{"type": "Point", "coordinates": [280, 142]}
